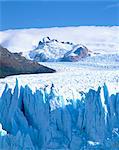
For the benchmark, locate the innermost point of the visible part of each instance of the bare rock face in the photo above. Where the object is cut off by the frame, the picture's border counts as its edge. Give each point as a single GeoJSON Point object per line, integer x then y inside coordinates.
{"type": "Point", "coordinates": [15, 64]}
{"type": "Point", "coordinates": [76, 54]}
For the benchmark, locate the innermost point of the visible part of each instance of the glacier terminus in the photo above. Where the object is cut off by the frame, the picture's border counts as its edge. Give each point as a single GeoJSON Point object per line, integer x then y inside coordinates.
{"type": "Point", "coordinates": [42, 120]}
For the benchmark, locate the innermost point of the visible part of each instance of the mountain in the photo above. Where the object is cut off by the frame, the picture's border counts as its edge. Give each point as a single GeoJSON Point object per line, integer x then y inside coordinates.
{"type": "Point", "coordinates": [54, 50]}
{"type": "Point", "coordinates": [42, 121]}
{"type": "Point", "coordinates": [14, 64]}
{"type": "Point", "coordinates": [99, 39]}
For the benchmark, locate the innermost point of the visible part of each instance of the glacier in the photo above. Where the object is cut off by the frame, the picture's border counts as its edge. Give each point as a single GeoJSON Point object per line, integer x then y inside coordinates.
{"type": "Point", "coordinates": [43, 120]}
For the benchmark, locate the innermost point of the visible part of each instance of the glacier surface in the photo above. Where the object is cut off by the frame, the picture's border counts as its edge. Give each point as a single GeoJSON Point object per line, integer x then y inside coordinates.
{"type": "Point", "coordinates": [43, 120]}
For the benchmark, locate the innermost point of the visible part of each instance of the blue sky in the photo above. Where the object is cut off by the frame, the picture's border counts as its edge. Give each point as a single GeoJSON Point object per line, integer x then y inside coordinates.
{"type": "Point", "coordinates": [31, 14]}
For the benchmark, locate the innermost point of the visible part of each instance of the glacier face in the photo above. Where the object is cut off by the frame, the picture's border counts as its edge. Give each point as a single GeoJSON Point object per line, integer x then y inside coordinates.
{"type": "Point", "coordinates": [44, 121]}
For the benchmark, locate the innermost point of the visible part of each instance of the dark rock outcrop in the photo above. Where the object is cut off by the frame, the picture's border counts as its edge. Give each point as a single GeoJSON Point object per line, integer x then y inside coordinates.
{"type": "Point", "coordinates": [15, 64]}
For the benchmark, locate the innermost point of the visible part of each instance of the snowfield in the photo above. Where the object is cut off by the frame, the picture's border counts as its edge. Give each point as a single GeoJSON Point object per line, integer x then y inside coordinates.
{"type": "Point", "coordinates": [70, 78]}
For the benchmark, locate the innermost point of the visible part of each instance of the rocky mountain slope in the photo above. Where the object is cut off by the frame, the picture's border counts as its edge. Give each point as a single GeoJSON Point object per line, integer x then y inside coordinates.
{"type": "Point", "coordinates": [53, 50]}
{"type": "Point", "coordinates": [42, 121]}
{"type": "Point", "coordinates": [14, 64]}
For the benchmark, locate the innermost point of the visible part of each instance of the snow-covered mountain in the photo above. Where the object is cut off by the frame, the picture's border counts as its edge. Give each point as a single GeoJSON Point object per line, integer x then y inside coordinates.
{"type": "Point", "coordinates": [44, 121]}
{"type": "Point", "coordinates": [53, 50]}
{"type": "Point", "coordinates": [98, 39]}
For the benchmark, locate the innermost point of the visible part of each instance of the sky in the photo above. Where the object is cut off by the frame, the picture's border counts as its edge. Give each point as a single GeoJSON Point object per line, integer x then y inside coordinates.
{"type": "Point", "coordinates": [60, 13]}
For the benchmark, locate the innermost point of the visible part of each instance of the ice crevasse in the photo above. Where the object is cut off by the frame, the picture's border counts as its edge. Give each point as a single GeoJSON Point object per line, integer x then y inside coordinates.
{"type": "Point", "coordinates": [41, 120]}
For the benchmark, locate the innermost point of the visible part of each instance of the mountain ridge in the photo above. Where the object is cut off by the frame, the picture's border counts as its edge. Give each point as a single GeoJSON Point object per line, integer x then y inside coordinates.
{"type": "Point", "coordinates": [15, 64]}
{"type": "Point", "coordinates": [52, 50]}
